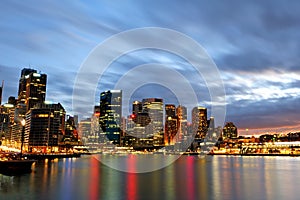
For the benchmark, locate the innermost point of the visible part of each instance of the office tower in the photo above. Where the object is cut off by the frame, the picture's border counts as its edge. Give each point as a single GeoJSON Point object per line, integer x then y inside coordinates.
{"type": "Point", "coordinates": [4, 126]}
{"type": "Point", "coordinates": [211, 132]}
{"type": "Point", "coordinates": [137, 107]}
{"type": "Point", "coordinates": [32, 88]}
{"type": "Point", "coordinates": [76, 120]}
{"type": "Point", "coordinates": [70, 128]}
{"type": "Point", "coordinates": [84, 131]}
{"type": "Point", "coordinates": [19, 115]}
{"type": "Point", "coordinates": [211, 123]}
{"type": "Point", "coordinates": [6, 122]}
{"type": "Point", "coordinates": [44, 126]}
{"type": "Point", "coordinates": [93, 136]}
{"type": "Point", "coordinates": [171, 124]}
{"type": "Point", "coordinates": [110, 116]}
{"type": "Point", "coordinates": [230, 131]}
{"type": "Point", "coordinates": [181, 112]}
{"type": "Point", "coordinates": [139, 117]}
{"type": "Point", "coordinates": [199, 120]}
{"type": "Point", "coordinates": [22, 84]}
{"type": "Point", "coordinates": [154, 108]}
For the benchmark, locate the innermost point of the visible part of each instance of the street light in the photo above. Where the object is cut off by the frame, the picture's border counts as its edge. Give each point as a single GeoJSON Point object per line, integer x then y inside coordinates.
{"type": "Point", "coordinates": [22, 135]}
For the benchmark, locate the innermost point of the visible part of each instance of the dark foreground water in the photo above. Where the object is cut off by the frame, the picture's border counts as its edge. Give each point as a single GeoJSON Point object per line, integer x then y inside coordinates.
{"type": "Point", "coordinates": [190, 177]}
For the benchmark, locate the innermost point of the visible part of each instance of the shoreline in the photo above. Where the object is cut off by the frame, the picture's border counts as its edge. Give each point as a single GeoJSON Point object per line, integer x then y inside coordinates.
{"type": "Point", "coordinates": [253, 154]}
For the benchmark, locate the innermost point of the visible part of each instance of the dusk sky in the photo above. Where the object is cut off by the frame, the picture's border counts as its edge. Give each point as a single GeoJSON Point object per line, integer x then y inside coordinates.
{"type": "Point", "coordinates": [254, 44]}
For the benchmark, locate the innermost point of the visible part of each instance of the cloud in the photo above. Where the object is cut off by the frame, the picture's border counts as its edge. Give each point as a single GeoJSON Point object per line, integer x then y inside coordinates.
{"type": "Point", "coordinates": [255, 45]}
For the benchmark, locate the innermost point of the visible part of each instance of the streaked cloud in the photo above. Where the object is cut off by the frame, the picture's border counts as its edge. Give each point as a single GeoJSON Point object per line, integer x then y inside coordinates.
{"type": "Point", "coordinates": [255, 44]}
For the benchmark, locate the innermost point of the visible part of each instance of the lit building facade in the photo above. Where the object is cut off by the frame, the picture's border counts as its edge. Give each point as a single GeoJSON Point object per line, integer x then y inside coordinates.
{"type": "Point", "coordinates": [44, 126]}
{"type": "Point", "coordinates": [154, 108]}
{"type": "Point", "coordinates": [171, 124]}
{"type": "Point", "coordinates": [181, 112]}
{"type": "Point", "coordinates": [93, 137]}
{"type": "Point", "coordinates": [32, 88]}
{"type": "Point", "coordinates": [199, 122]}
{"type": "Point", "coordinates": [230, 131]}
{"type": "Point", "coordinates": [84, 131]}
{"type": "Point", "coordinates": [110, 116]}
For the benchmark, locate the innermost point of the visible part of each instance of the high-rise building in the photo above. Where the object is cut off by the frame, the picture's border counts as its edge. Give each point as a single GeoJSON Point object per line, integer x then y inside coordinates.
{"type": "Point", "coordinates": [84, 131]}
{"type": "Point", "coordinates": [71, 136]}
{"type": "Point", "coordinates": [22, 84]}
{"type": "Point", "coordinates": [154, 108]}
{"type": "Point", "coordinates": [137, 107]}
{"type": "Point", "coordinates": [44, 125]}
{"type": "Point", "coordinates": [110, 116]}
{"type": "Point", "coordinates": [4, 126]}
{"type": "Point", "coordinates": [181, 112]}
{"type": "Point", "coordinates": [171, 124]}
{"type": "Point", "coordinates": [32, 88]}
{"type": "Point", "coordinates": [6, 122]}
{"type": "Point", "coordinates": [199, 120]}
{"type": "Point", "coordinates": [211, 132]}
{"type": "Point", "coordinates": [35, 89]}
{"type": "Point", "coordinates": [93, 136]}
{"type": "Point", "coordinates": [230, 131]}
{"type": "Point", "coordinates": [18, 116]}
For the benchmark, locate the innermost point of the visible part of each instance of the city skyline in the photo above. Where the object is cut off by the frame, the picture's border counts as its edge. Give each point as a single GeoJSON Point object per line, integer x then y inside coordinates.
{"type": "Point", "coordinates": [255, 47]}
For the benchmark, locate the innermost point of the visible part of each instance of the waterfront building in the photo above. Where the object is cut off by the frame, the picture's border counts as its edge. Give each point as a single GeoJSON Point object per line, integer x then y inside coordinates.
{"type": "Point", "coordinates": [230, 131]}
{"type": "Point", "coordinates": [6, 122]}
{"type": "Point", "coordinates": [70, 137]}
{"type": "Point", "coordinates": [211, 132]}
{"type": "Point", "coordinates": [32, 88]}
{"type": "Point", "coordinates": [85, 131]}
{"type": "Point", "coordinates": [199, 122]}
{"type": "Point", "coordinates": [44, 126]}
{"type": "Point", "coordinates": [110, 116]}
{"type": "Point", "coordinates": [181, 112]}
{"type": "Point", "coordinates": [17, 116]}
{"type": "Point", "coordinates": [137, 107]}
{"type": "Point", "coordinates": [154, 108]}
{"type": "Point", "coordinates": [171, 124]}
{"type": "Point", "coordinates": [4, 126]}
{"type": "Point", "coordinates": [93, 136]}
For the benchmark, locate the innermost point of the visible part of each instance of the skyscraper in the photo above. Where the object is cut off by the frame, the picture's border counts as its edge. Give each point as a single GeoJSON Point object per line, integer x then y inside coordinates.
{"type": "Point", "coordinates": [199, 120]}
{"type": "Point", "coordinates": [32, 88]}
{"type": "Point", "coordinates": [110, 116]}
{"type": "Point", "coordinates": [171, 124]}
{"type": "Point", "coordinates": [154, 108]}
{"type": "Point", "coordinates": [44, 125]}
{"type": "Point", "coordinates": [93, 135]}
{"type": "Point", "coordinates": [84, 131]}
{"type": "Point", "coordinates": [181, 112]}
{"type": "Point", "coordinates": [137, 107]}
{"type": "Point", "coordinates": [22, 84]}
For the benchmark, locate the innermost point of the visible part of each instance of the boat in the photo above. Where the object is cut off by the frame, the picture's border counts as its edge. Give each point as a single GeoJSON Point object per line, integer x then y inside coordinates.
{"type": "Point", "coordinates": [11, 163]}
{"type": "Point", "coordinates": [16, 163]}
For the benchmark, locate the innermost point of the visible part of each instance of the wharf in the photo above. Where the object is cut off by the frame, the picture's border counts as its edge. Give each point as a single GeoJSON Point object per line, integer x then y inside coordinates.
{"type": "Point", "coordinates": [42, 156]}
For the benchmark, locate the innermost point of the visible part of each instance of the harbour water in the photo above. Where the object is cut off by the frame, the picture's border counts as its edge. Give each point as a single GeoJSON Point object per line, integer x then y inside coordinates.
{"type": "Point", "coordinates": [190, 177]}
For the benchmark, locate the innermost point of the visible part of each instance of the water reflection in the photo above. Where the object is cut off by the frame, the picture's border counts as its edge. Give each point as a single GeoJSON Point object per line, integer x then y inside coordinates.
{"type": "Point", "coordinates": [190, 177]}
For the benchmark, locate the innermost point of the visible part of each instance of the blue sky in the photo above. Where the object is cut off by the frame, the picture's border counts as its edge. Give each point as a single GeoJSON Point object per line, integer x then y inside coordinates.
{"type": "Point", "coordinates": [255, 45]}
